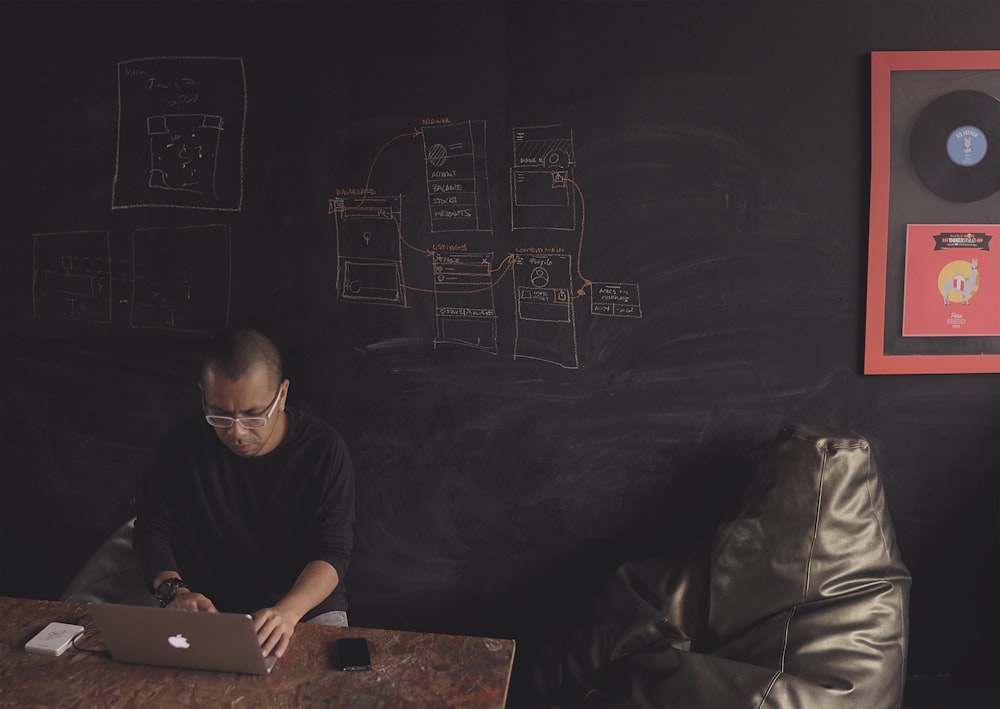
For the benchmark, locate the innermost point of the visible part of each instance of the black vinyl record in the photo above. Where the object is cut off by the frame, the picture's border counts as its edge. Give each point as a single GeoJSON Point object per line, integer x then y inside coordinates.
{"type": "Point", "coordinates": [955, 145]}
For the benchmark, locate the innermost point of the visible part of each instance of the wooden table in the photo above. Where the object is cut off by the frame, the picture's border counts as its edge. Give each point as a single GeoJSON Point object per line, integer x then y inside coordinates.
{"type": "Point", "coordinates": [408, 670]}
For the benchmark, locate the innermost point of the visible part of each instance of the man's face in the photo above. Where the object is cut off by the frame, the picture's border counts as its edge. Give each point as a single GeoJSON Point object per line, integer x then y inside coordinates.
{"type": "Point", "coordinates": [251, 395]}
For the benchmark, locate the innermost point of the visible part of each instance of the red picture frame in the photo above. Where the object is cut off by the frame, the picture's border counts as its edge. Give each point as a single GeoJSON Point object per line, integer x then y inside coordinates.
{"type": "Point", "coordinates": [904, 87]}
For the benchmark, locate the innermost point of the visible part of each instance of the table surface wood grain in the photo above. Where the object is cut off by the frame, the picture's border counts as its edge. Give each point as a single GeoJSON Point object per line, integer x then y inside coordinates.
{"type": "Point", "coordinates": [409, 669]}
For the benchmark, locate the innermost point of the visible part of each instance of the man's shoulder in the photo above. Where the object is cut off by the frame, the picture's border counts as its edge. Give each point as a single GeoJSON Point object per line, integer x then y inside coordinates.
{"type": "Point", "coordinates": [317, 444]}
{"type": "Point", "coordinates": [307, 427]}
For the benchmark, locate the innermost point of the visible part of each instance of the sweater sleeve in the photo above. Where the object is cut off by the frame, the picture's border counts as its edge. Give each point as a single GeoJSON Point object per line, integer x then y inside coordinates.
{"type": "Point", "coordinates": [333, 535]}
{"type": "Point", "coordinates": [158, 512]}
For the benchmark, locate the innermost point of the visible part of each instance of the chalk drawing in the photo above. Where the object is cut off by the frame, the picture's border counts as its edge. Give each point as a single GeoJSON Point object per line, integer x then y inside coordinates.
{"type": "Point", "coordinates": [544, 162]}
{"type": "Point", "coordinates": [548, 274]}
{"type": "Point", "coordinates": [181, 278]}
{"type": "Point", "coordinates": [72, 276]}
{"type": "Point", "coordinates": [463, 300]}
{"type": "Point", "coordinates": [619, 300]}
{"type": "Point", "coordinates": [181, 133]}
{"type": "Point", "coordinates": [369, 258]}
{"type": "Point", "coordinates": [457, 185]}
{"type": "Point", "coordinates": [183, 152]}
{"type": "Point", "coordinates": [545, 324]}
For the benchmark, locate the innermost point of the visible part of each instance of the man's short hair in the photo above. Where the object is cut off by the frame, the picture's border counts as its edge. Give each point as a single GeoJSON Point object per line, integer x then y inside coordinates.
{"type": "Point", "coordinates": [236, 350]}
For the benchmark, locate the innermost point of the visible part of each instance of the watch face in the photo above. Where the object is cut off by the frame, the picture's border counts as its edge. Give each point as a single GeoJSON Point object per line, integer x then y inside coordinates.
{"type": "Point", "coordinates": [166, 591]}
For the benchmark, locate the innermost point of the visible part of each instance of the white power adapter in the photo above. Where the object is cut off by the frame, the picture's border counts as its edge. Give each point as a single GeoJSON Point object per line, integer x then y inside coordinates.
{"type": "Point", "coordinates": [53, 639]}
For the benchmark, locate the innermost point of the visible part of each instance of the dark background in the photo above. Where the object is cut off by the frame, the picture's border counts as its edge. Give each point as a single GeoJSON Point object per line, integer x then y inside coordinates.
{"type": "Point", "coordinates": [721, 149]}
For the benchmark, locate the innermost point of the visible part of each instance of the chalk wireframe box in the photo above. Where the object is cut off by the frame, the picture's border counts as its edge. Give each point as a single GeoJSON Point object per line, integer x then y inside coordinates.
{"type": "Point", "coordinates": [615, 300]}
{"type": "Point", "coordinates": [180, 134]}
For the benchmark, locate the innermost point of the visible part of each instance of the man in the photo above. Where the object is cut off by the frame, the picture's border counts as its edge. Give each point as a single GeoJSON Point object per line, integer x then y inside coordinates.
{"type": "Point", "coordinates": [249, 508]}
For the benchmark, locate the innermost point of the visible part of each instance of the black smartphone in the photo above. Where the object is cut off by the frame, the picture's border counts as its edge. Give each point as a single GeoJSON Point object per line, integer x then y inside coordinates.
{"type": "Point", "coordinates": [352, 654]}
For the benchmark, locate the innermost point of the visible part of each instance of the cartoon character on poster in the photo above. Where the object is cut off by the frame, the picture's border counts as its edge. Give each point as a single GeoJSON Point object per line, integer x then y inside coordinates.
{"type": "Point", "coordinates": [959, 281]}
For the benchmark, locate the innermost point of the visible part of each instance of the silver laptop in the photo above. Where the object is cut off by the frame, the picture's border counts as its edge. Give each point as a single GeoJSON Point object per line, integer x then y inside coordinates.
{"type": "Point", "coordinates": [145, 635]}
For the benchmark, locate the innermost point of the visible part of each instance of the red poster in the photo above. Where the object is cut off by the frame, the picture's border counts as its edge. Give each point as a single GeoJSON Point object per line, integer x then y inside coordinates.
{"type": "Point", "coordinates": [951, 286]}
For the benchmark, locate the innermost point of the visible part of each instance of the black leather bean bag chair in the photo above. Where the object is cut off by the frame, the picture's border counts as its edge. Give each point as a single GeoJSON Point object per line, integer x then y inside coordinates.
{"type": "Point", "coordinates": [801, 601]}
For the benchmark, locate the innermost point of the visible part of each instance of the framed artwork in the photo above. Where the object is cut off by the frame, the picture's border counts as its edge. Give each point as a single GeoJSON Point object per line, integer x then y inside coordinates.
{"type": "Point", "coordinates": [933, 303]}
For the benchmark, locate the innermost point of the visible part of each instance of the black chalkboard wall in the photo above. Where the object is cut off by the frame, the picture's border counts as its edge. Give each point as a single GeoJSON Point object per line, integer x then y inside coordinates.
{"type": "Point", "coordinates": [557, 272]}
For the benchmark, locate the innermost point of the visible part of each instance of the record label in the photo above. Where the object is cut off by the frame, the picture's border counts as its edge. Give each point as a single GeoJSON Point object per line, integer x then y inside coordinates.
{"type": "Point", "coordinates": [967, 146]}
{"type": "Point", "coordinates": [950, 146]}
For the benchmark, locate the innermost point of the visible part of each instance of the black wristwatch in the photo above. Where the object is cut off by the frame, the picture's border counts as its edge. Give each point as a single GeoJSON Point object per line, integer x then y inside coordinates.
{"type": "Point", "coordinates": [166, 591]}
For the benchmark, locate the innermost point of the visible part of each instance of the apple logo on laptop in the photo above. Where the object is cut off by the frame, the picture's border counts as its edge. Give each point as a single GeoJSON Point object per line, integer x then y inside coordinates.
{"type": "Point", "coordinates": [179, 641]}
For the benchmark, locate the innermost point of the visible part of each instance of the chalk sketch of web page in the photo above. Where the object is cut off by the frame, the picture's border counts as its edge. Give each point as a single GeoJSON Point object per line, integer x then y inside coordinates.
{"type": "Point", "coordinates": [181, 133]}
{"type": "Point", "coordinates": [463, 300]}
{"type": "Point", "coordinates": [541, 195]}
{"type": "Point", "coordinates": [181, 278]}
{"type": "Point", "coordinates": [72, 276]}
{"type": "Point", "coordinates": [457, 185]}
{"type": "Point", "coordinates": [545, 327]}
{"type": "Point", "coordinates": [369, 254]}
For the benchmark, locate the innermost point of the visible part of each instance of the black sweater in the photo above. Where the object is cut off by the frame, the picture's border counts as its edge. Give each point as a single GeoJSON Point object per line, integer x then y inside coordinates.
{"type": "Point", "coordinates": [240, 530]}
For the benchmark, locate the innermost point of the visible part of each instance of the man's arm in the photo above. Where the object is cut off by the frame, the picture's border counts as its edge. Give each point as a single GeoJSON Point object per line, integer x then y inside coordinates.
{"type": "Point", "coordinates": [157, 507]}
{"type": "Point", "coordinates": [329, 551]}
{"type": "Point", "coordinates": [276, 625]}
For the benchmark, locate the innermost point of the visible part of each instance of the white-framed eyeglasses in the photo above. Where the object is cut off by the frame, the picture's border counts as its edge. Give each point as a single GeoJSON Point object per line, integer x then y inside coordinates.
{"type": "Point", "coordinates": [244, 421]}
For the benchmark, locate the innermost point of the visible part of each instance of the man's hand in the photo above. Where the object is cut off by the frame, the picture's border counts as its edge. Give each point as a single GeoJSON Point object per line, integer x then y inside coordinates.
{"type": "Point", "coordinates": [187, 600]}
{"type": "Point", "coordinates": [275, 628]}
{"type": "Point", "coordinates": [276, 625]}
